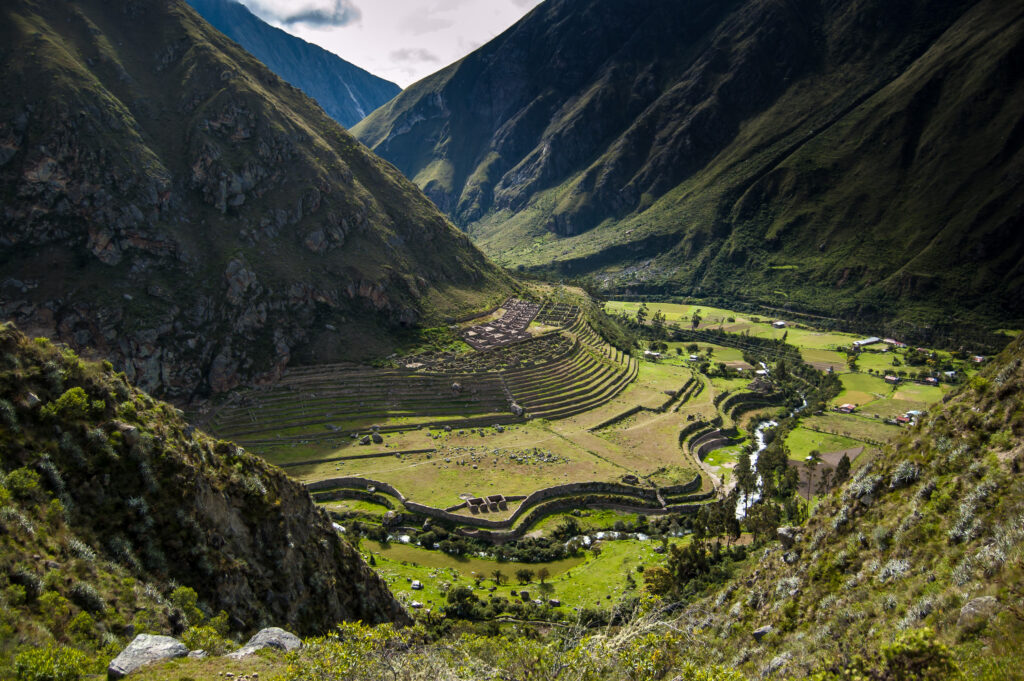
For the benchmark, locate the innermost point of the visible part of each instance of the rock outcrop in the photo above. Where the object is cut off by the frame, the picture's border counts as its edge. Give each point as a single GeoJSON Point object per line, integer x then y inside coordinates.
{"type": "Point", "coordinates": [271, 637]}
{"type": "Point", "coordinates": [145, 649]}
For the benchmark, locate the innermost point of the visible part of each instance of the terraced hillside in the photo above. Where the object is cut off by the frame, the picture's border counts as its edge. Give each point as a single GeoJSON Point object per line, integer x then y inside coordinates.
{"type": "Point", "coordinates": [551, 376]}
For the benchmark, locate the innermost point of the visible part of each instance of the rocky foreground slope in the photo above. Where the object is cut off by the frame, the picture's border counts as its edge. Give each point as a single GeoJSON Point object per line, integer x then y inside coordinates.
{"type": "Point", "coordinates": [113, 510]}
{"type": "Point", "coordinates": [871, 149]}
{"type": "Point", "coordinates": [170, 202]}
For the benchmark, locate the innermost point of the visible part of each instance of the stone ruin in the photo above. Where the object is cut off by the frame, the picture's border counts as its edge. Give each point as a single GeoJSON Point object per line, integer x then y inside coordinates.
{"type": "Point", "coordinates": [511, 327]}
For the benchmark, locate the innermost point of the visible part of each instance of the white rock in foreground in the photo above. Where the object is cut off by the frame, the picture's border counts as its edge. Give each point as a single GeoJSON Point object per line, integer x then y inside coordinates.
{"type": "Point", "coordinates": [273, 637]}
{"type": "Point", "coordinates": [145, 649]}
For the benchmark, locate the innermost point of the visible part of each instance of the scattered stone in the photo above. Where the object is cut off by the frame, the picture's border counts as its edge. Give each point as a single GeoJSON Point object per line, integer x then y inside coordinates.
{"type": "Point", "coordinates": [447, 429]}
{"type": "Point", "coordinates": [199, 654]}
{"type": "Point", "coordinates": [762, 632]}
{"type": "Point", "coordinates": [516, 409]}
{"type": "Point", "coordinates": [273, 637]}
{"type": "Point", "coordinates": [787, 535]}
{"type": "Point", "coordinates": [377, 439]}
{"type": "Point", "coordinates": [365, 440]}
{"type": "Point", "coordinates": [977, 612]}
{"type": "Point", "coordinates": [145, 649]}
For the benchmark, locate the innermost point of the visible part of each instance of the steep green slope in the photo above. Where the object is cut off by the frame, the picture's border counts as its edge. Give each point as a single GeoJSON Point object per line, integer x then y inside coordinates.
{"type": "Point", "coordinates": [929, 535]}
{"type": "Point", "coordinates": [109, 501]}
{"type": "Point", "coordinates": [739, 149]}
{"type": "Point", "coordinates": [172, 203]}
{"type": "Point", "coordinates": [346, 92]}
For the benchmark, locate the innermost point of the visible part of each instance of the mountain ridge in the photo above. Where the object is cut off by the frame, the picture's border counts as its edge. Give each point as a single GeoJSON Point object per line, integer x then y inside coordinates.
{"type": "Point", "coordinates": [754, 154]}
{"type": "Point", "coordinates": [208, 222]}
{"type": "Point", "coordinates": [346, 92]}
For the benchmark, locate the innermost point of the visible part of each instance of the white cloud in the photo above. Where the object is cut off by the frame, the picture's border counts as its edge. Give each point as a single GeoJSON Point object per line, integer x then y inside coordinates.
{"type": "Point", "coordinates": [309, 12]}
{"type": "Point", "coordinates": [401, 40]}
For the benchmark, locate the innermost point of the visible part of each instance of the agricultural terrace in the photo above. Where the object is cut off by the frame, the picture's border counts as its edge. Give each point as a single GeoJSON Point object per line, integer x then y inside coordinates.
{"type": "Point", "coordinates": [878, 407]}
{"type": "Point", "coordinates": [441, 428]}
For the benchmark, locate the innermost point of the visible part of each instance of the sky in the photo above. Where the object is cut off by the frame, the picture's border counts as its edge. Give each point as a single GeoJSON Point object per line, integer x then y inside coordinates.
{"type": "Point", "coordinates": [399, 40]}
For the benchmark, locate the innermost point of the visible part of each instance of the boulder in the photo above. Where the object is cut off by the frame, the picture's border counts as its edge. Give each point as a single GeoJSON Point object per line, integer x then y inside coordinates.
{"type": "Point", "coordinates": [787, 535]}
{"type": "Point", "coordinates": [516, 409]}
{"type": "Point", "coordinates": [198, 655]}
{"type": "Point", "coordinates": [365, 440]}
{"type": "Point", "coordinates": [274, 637]}
{"type": "Point", "coordinates": [761, 632]}
{"type": "Point", "coordinates": [145, 649]}
{"type": "Point", "coordinates": [977, 612]}
{"type": "Point", "coordinates": [376, 437]}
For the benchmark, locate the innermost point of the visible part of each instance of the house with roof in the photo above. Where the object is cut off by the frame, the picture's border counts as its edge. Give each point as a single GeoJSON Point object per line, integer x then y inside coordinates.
{"type": "Point", "coordinates": [889, 378]}
{"type": "Point", "coordinates": [870, 340]}
{"type": "Point", "coordinates": [846, 408]}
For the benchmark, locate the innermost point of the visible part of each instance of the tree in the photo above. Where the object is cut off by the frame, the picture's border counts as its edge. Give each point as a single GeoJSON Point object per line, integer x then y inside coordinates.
{"type": "Point", "coordinates": [842, 470]}
{"type": "Point", "coordinates": [695, 319]}
{"type": "Point", "coordinates": [641, 314]}
{"type": "Point", "coordinates": [658, 323]}
{"type": "Point", "coordinates": [524, 575]}
{"type": "Point", "coordinates": [498, 576]}
{"type": "Point", "coordinates": [811, 462]}
{"type": "Point", "coordinates": [825, 484]}
{"type": "Point", "coordinates": [543, 574]}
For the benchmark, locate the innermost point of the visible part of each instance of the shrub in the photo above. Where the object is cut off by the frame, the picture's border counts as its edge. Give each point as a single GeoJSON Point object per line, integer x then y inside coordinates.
{"type": "Point", "coordinates": [23, 483]}
{"type": "Point", "coordinates": [79, 549]}
{"type": "Point", "coordinates": [185, 599]}
{"type": "Point", "coordinates": [206, 638]}
{"type": "Point", "coordinates": [905, 474]}
{"type": "Point", "coordinates": [8, 416]}
{"type": "Point", "coordinates": [917, 655]}
{"type": "Point", "coordinates": [87, 598]}
{"type": "Point", "coordinates": [52, 663]}
{"type": "Point", "coordinates": [73, 405]}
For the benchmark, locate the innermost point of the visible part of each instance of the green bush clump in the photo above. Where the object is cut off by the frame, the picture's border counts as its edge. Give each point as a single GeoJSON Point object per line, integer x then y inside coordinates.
{"type": "Point", "coordinates": [23, 483]}
{"type": "Point", "coordinates": [52, 663]}
{"type": "Point", "coordinates": [73, 405]}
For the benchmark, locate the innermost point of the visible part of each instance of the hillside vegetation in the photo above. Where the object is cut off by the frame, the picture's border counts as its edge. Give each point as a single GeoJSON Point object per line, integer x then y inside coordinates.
{"type": "Point", "coordinates": [118, 518]}
{"type": "Point", "coordinates": [758, 150]}
{"type": "Point", "coordinates": [173, 205]}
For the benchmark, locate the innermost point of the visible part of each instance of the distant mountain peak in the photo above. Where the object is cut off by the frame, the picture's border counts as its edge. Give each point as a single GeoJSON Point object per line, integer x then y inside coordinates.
{"type": "Point", "coordinates": [346, 92]}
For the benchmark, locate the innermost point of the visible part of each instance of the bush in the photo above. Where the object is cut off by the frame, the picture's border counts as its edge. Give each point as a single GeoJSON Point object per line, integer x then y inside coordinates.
{"type": "Point", "coordinates": [87, 598]}
{"type": "Point", "coordinates": [53, 663]}
{"type": "Point", "coordinates": [73, 405]}
{"type": "Point", "coordinates": [206, 638]}
{"type": "Point", "coordinates": [23, 483]}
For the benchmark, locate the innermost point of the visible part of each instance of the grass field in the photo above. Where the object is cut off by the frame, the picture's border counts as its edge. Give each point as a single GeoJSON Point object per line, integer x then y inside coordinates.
{"type": "Point", "coordinates": [801, 441]}
{"type": "Point", "coordinates": [853, 426]}
{"type": "Point", "coordinates": [860, 389]}
{"type": "Point", "coordinates": [587, 580]}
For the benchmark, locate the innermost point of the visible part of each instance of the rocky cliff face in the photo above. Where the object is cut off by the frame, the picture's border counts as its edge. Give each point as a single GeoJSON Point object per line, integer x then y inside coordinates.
{"type": "Point", "coordinates": [737, 148]}
{"type": "Point", "coordinates": [171, 203]}
{"type": "Point", "coordinates": [346, 92]}
{"type": "Point", "coordinates": [168, 504]}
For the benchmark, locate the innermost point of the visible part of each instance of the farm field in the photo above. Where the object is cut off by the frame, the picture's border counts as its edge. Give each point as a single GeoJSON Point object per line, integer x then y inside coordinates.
{"type": "Point", "coordinates": [860, 389]}
{"type": "Point", "coordinates": [801, 441]}
{"type": "Point", "coordinates": [587, 580]}
{"type": "Point", "coordinates": [443, 430]}
{"type": "Point", "coordinates": [852, 426]}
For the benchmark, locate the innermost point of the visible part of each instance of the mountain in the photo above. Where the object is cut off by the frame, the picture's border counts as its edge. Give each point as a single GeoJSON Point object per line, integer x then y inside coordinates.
{"type": "Point", "coordinates": [346, 92]}
{"type": "Point", "coordinates": [175, 206]}
{"type": "Point", "coordinates": [758, 150]}
{"type": "Point", "coordinates": [113, 511]}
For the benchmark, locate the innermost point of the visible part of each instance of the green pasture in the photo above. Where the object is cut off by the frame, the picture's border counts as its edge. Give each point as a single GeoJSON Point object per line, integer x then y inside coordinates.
{"type": "Point", "coordinates": [860, 389]}
{"type": "Point", "coordinates": [801, 441]}
{"type": "Point", "coordinates": [853, 426]}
